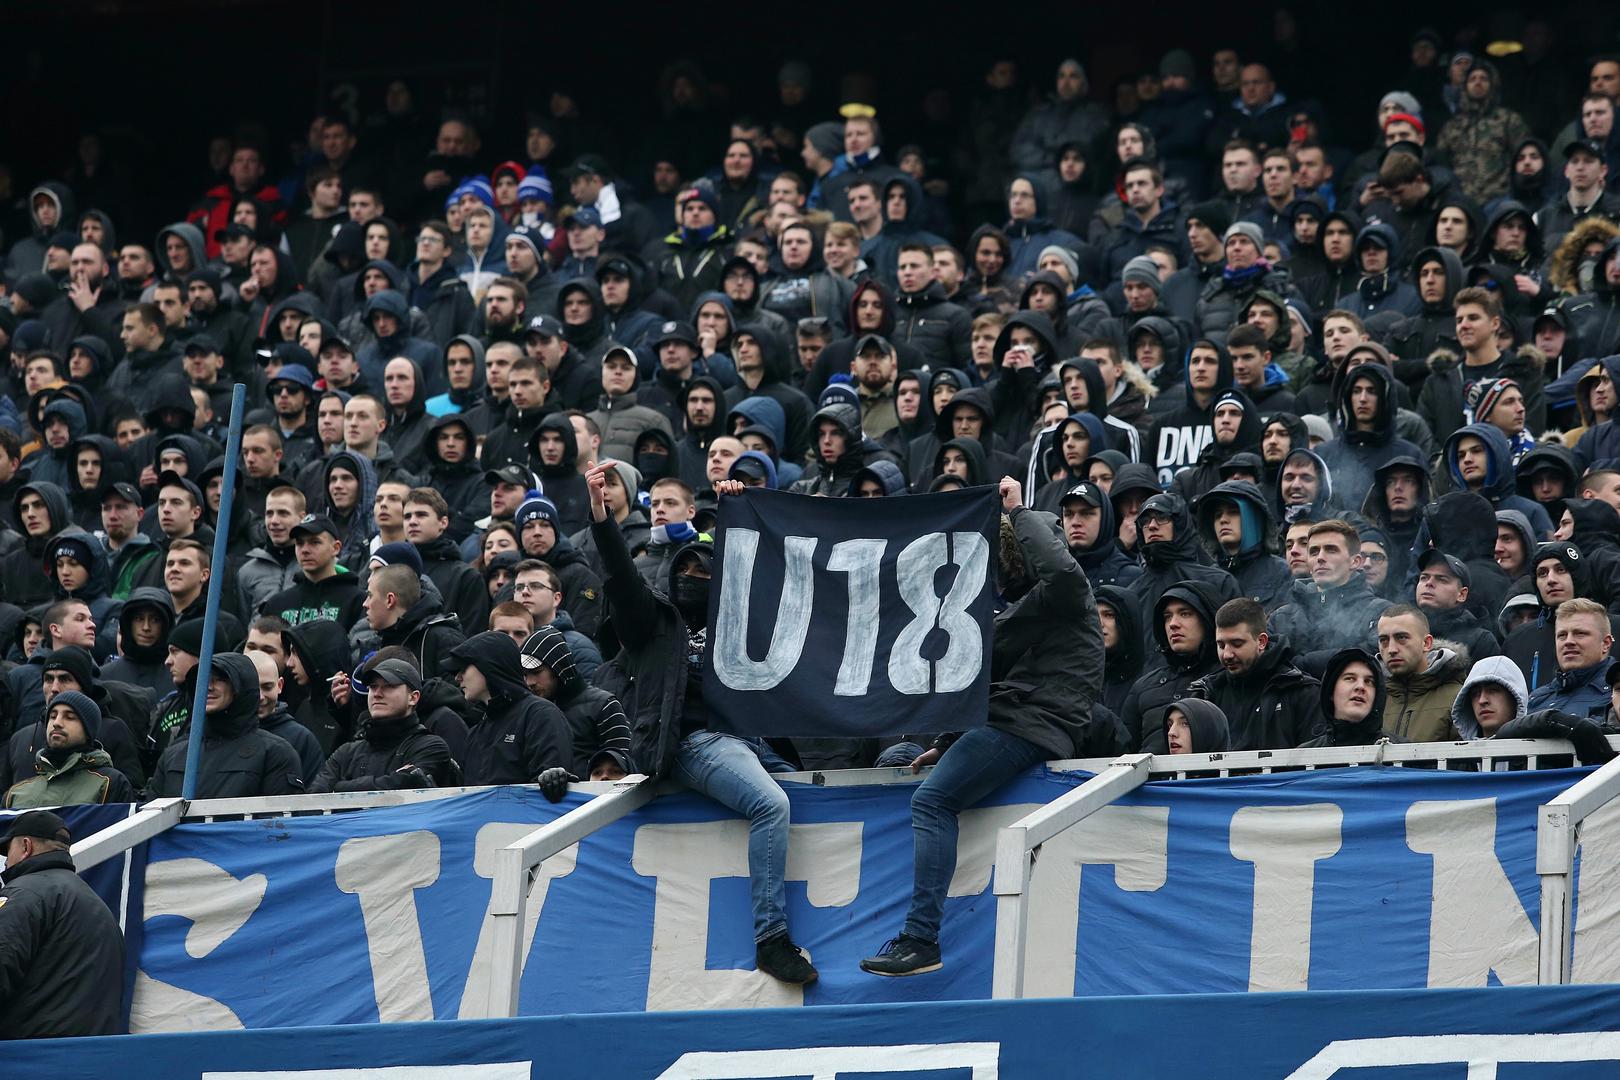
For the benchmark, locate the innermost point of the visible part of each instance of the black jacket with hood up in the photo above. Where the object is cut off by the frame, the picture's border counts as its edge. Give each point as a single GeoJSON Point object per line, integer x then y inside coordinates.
{"type": "Point", "coordinates": [1171, 678]}
{"type": "Point", "coordinates": [519, 735]}
{"type": "Point", "coordinates": [239, 759]}
{"type": "Point", "coordinates": [1272, 706]}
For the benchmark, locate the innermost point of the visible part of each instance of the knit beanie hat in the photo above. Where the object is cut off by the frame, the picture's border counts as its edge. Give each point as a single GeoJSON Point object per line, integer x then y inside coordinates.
{"type": "Point", "coordinates": [827, 138]}
{"type": "Point", "coordinates": [1216, 217]}
{"type": "Point", "coordinates": [88, 712]}
{"type": "Point", "coordinates": [1245, 228]}
{"type": "Point", "coordinates": [1066, 256]}
{"type": "Point", "coordinates": [1143, 271]}
{"type": "Point", "coordinates": [535, 508]}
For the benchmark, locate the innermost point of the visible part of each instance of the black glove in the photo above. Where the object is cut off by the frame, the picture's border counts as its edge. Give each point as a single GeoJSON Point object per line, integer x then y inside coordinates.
{"type": "Point", "coordinates": [412, 776]}
{"type": "Point", "coordinates": [554, 783]}
{"type": "Point", "coordinates": [1591, 745]}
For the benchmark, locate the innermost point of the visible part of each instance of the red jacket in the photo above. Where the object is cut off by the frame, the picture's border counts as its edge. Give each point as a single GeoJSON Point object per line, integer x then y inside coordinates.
{"type": "Point", "coordinates": [213, 211]}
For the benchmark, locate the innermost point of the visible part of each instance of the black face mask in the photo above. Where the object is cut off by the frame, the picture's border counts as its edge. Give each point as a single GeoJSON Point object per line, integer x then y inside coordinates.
{"type": "Point", "coordinates": [692, 599]}
{"type": "Point", "coordinates": [652, 466]}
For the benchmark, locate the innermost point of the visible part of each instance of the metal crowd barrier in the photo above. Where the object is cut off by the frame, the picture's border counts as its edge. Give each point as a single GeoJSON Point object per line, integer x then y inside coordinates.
{"type": "Point", "coordinates": [1017, 846]}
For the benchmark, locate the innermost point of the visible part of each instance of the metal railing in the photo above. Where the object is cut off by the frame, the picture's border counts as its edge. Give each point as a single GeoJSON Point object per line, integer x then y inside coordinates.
{"type": "Point", "coordinates": [1017, 847]}
{"type": "Point", "coordinates": [1558, 830]}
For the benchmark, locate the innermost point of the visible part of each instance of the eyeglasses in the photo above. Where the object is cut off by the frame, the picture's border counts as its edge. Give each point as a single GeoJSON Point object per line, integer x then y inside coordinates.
{"type": "Point", "coordinates": [527, 586]}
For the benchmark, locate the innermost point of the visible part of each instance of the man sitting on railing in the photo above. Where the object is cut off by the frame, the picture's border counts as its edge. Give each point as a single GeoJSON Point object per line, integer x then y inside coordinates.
{"type": "Point", "coordinates": [1046, 670]}
{"type": "Point", "coordinates": [239, 759]}
{"type": "Point", "coordinates": [659, 676]}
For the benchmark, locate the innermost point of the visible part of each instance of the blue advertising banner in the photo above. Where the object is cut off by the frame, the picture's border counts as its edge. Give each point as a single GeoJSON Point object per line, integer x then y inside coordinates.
{"type": "Point", "coordinates": [1531, 1033]}
{"type": "Point", "coordinates": [1346, 879]}
{"type": "Point", "coordinates": [851, 618]}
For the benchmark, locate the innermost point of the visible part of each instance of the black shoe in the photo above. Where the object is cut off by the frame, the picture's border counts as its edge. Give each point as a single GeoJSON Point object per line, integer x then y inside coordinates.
{"type": "Point", "coordinates": [779, 958]}
{"type": "Point", "coordinates": [904, 955]}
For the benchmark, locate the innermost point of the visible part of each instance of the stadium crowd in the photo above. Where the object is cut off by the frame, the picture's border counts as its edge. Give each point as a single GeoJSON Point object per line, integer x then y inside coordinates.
{"type": "Point", "coordinates": [1327, 429]}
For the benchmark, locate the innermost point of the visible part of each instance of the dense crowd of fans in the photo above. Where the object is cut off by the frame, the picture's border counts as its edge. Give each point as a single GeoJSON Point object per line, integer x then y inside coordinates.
{"type": "Point", "coordinates": [1328, 431]}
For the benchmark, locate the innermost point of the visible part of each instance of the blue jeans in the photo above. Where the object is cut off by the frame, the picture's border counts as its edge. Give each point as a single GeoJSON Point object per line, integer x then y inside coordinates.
{"type": "Point", "coordinates": [729, 771]}
{"type": "Point", "coordinates": [976, 764]}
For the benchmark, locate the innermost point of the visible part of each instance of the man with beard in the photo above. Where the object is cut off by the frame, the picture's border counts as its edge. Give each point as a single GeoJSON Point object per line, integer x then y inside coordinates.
{"type": "Point", "coordinates": [72, 769]}
{"type": "Point", "coordinates": [505, 310]}
{"type": "Point", "coordinates": [1269, 703]}
{"type": "Point", "coordinates": [93, 307]}
{"type": "Point", "coordinates": [874, 371]}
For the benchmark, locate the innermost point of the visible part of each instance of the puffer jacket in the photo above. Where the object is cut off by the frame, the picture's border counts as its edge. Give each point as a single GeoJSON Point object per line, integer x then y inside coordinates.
{"type": "Point", "coordinates": [239, 760]}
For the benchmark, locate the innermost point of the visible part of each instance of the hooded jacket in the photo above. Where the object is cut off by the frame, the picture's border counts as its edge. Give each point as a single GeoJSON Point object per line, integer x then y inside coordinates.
{"type": "Point", "coordinates": [311, 755]}
{"type": "Point", "coordinates": [924, 455]}
{"type": "Point", "coordinates": [1343, 732]}
{"type": "Point", "coordinates": [1599, 444]}
{"type": "Point", "coordinates": [1435, 325]}
{"type": "Point", "coordinates": [1206, 470]}
{"type": "Point", "coordinates": [519, 735]}
{"type": "Point", "coordinates": [1013, 392]}
{"type": "Point", "coordinates": [1545, 457]}
{"type": "Point", "coordinates": [88, 551]}
{"type": "Point", "coordinates": [1046, 663]}
{"type": "Point", "coordinates": [1355, 457]}
{"type": "Point", "coordinates": [561, 483]}
{"type": "Point", "coordinates": [1125, 658]}
{"type": "Point", "coordinates": [453, 400]}
{"type": "Point", "coordinates": [460, 482]}
{"type": "Point", "coordinates": [357, 526]}
{"type": "Point", "coordinates": [1463, 524]}
{"type": "Point", "coordinates": [460, 585]}
{"type": "Point", "coordinates": [1479, 138]}
{"type": "Point", "coordinates": [1418, 705]}
{"type": "Point", "coordinates": [55, 466]}
{"type": "Point", "coordinates": [1272, 706]}
{"type": "Point", "coordinates": [1207, 729]}
{"type": "Point", "coordinates": [1184, 427]}
{"type": "Point", "coordinates": [1325, 500]}
{"type": "Point", "coordinates": [143, 664]}
{"type": "Point", "coordinates": [323, 651]}
{"type": "Point", "coordinates": [1169, 562]}
{"type": "Point", "coordinates": [1103, 562]}
{"type": "Point", "coordinates": [834, 478]}
{"type": "Point", "coordinates": [239, 759]}
{"type": "Point", "coordinates": [1385, 293]}
{"type": "Point", "coordinates": [1499, 486]}
{"type": "Point", "coordinates": [1498, 671]}
{"type": "Point", "coordinates": [1034, 234]}
{"type": "Point", "coordinates": [23, 580]}
{"type": "Point", "coordinates": [1172, 677]}
{"type": "Point", "coordinates": [1259, 573]}
{"type": "Point", "coordinates": [764, 417]}
{"type": "Point", "coordinates": [408, 427]}
{"type": "Point", "coordinates": [27, 254]}
{"type": "Point", "coordinates": [775, 382]}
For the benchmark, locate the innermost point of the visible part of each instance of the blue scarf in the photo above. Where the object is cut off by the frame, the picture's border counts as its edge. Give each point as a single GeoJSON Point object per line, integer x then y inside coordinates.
{"type": "Point", "coordinates": [697, 236]}
{"type": "Point", "coordinates": [1244, 277]}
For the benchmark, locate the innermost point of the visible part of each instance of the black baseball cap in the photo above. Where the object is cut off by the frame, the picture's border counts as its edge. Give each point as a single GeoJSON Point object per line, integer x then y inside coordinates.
{"type": "Point", "coordinates": [314, 525]}
{"type": "Point", "coordinates": [1581, 145]}
{"type": "Point", "coordinates": [545, 326]}
{"type": "Point", "coordinates": [202, 344]}
{"type": "Point", "coordinates": [124, 490]}
{"type": "Point", "coordinates": [234, 231]}
{"type": "Point", "coordinates": [510, 474]}
{"type": "Point", "coordinates": [676, 331]}
{"type": "Point", "coordinates": [37, 825]}
{"type": "Point", "coordinates": [1085, 492]}
{"type": "Point", "coordinates": [1454, 566]}
{"type": "Point", "coordinates": [394, 672]}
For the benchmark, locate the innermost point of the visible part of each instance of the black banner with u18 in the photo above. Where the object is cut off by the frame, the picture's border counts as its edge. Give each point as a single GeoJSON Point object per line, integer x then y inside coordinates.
{"type": "Point", "coordinates": [851, 618]}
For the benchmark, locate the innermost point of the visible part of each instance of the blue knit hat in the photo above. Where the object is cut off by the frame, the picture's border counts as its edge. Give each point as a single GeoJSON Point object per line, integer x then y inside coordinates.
{"type": "Point", "coordinates": [535, 508]}
{"type": "Point", "coordinates": [88, 712]}
{"type": "Point", "coordinates": [537, 185]}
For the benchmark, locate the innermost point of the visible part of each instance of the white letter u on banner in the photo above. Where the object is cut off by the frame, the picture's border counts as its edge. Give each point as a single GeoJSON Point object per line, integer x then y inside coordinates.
{"type": "Point", "coordinates": [732, 664]}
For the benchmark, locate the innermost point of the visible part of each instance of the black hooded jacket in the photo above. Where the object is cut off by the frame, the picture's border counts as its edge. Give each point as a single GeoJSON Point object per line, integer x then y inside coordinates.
{"type": "Point", "coordinates": [239, 760]}
{"type": "Point", "coordinates": [1175, 672]}
{"type": "Point", "coordinates": [462, 482]}
{"type": "Point", "coordinates": [925, 449]}
{"type": "Point", "coordinates": [1343, 733]}
{"type": "Point", "coordinates": [519, 735]}
{"type": "Point", "coordinates": [1272, 706]}
{"type": "Point", "coordinates": [1206, 471]}
{"type": "Point", "coordinates": [461, 586]}
{"type": "Point", "coordinates": [1170, 562]}
{"type": "Point", "coordinates": [407, 429]}
{"type": "Point", "coordinates": [1125, 657]}
{"type": "Point", "coordinates": [1259, 573]}
{"type": "Point", "coordinates": [23, 580]}
{"type": "Point", "coordinates": [562, 483]}
{"type": "Point", "coordinates": [1355, 457]}
{"type": "Point", "coordinates": [775, 382]}
{"type": "Point", "coordinates": [382, 757]}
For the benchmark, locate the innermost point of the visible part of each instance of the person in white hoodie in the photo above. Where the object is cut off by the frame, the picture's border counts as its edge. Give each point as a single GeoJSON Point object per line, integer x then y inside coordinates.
{"type": "Point", "coordinates": [1493, 703]}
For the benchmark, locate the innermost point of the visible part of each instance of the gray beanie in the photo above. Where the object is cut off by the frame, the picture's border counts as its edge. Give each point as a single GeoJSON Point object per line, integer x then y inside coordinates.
{"type": "Point", "coordinates": [1071, 263]}
{"type": "Point", "coordinates": [1403, 102]}
{"type": "Point", "coordinates": [1178, 62]}
{"type": "Point", "coordinates": [827, 138]}
{"type": "Point", "coordinates": [1245, 228]}
{"type": "Point", "coordinates": [1318, 426]}
{"type": "Point", "coordinates": [1144, 271]}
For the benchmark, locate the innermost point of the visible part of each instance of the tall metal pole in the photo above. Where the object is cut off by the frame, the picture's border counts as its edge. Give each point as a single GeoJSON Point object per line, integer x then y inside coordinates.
{"type": "Point", "coordinates": [216, 582]}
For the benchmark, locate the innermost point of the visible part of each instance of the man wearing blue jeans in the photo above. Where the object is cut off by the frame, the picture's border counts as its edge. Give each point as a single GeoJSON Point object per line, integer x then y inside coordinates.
{"type": "Point", "coordinates": [664, 636]}
{"type": "Point", "coordinates": [1045, 669]}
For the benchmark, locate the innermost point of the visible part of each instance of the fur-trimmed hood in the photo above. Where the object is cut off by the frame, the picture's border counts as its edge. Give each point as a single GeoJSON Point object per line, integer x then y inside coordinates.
{"type": "Point", "coordinates": [1525, 361]}
{"type": "Point", "coordinates": [1563, 268]}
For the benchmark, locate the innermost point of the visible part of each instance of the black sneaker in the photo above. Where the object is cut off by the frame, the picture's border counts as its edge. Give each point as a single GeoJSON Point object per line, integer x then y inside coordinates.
{"type": "Point", "coordinates": [904, 955]}
{"type": "Point", "coordinates": [779, 958]}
